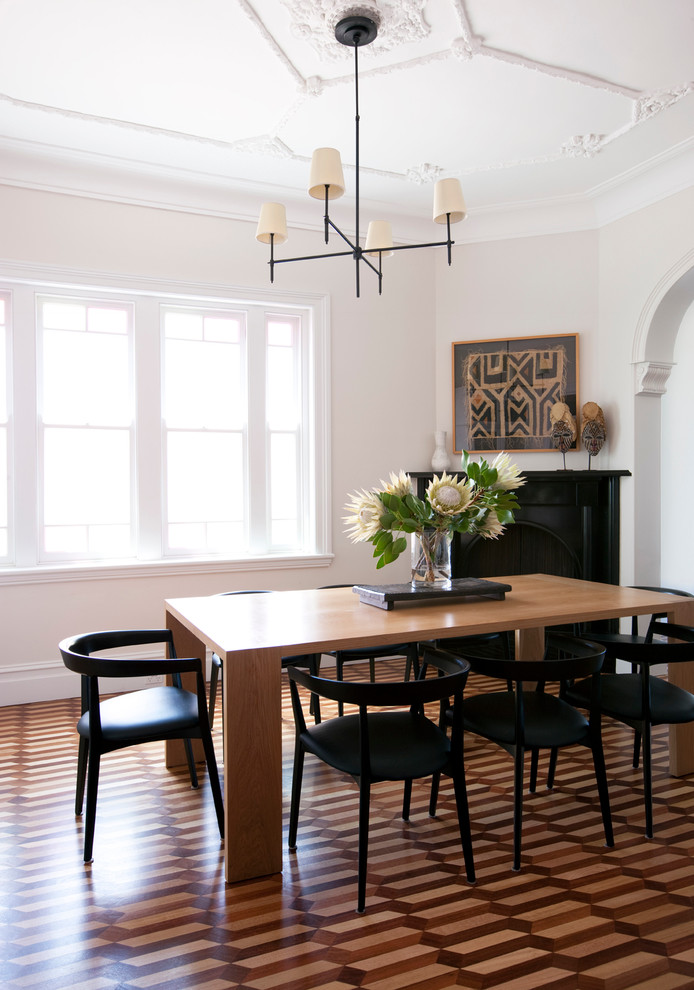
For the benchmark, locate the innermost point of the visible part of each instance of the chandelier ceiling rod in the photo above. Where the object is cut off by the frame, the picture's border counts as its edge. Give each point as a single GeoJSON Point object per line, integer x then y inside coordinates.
{"type": "Point", "coordinates": [327, 182]}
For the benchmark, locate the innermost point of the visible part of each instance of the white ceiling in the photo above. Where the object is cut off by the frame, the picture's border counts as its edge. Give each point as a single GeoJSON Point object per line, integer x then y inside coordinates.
{"type": "Point", "coordinates": [218, 104]}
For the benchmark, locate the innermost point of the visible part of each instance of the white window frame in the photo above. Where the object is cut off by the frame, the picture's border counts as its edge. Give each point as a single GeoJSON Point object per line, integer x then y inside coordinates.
{"type": "Point", "coordinates": [6, 297]}
{"type": "Point", "coordinates": [24, 283]}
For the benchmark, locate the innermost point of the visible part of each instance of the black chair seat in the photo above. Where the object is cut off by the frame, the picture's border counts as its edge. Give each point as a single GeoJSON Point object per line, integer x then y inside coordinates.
{"type": "Point", "coordinates": [549, 721]}
{"type": "Point", "coordinates": [622, 697]}
{"type": "Point", "coordinates": [401, 744]}
{"type": "Point", "coordinates": [151, 714]}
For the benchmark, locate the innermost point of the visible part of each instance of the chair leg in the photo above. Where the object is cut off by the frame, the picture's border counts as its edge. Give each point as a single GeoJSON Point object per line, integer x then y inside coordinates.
{"type": "Point", "coordinates": [552, 768]}
{"type": "Point", "coordinates": [364, 801]}
{"type": "Point", "coordinates": [188, 747]}
{"type": "Point", "coordinates": [296, 794]}
{"type": "Point", "coordinates": [517, 805]}
{"type": "Point", "coordinates": [637, 749]}
{"type": "Point", "coordinates": [214, 681]}
{"type": "Point", "coordinates": [647, 781]}
{"type": "Point", "coordinates": [601, 778]}
{"type": "Point", "coordinates": [339, 670]}
{"type": "Point", "coordinates": [92, 790]}
{"type": "Point", "coordinates": [82, 758]}
{"type": "Point", "coordinates": [406, 800]}
{"type": "Point", "coordinates": [461, 804]}
{"type": "Point", "coordinates": [433, 800]}
{"type": "Point", "coordinates": [213, 774]}
{"type": "Point", "coordinates": [314, 671]}
{"type": "Point", "coordinates": [534, 760]}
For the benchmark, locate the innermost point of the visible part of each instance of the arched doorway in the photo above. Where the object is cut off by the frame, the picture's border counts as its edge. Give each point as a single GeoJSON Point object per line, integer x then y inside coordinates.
{"type": "Point", "coordinates": [653, 358]}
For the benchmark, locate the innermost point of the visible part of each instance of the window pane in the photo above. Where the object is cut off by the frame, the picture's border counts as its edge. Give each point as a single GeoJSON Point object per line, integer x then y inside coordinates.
{"type": "Point", "coordinates": [86, 477]}
{"type": "Point", "coordinates": [204, 485]}
{"type": "Point", "coordinates": [284, 488]}
{"type": "Point", "coordinates": [3, 487]}
{"type": "Point", "coordinates": [280, 334]}
{"type": "Point", "coordinates": [64, 316]}
{"type": "Point", "coordinates": [222, 329]}
{"type": "Point", "coordinates": [85, 379]}
{"type": "Point", "coordinates": [3, 373]}
{"type": "Point", "coordinates": [203, 386]}
{"type": "Point", "coordinates": [102, 320]}
{"type": "Point", "coordinates": [183, 326]}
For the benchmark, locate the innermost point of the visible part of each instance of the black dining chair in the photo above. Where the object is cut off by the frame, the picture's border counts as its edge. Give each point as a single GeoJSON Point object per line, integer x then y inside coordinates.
{"type": "Point", "coordinates": [148, 715]}
{"type": "Point", "coordinates": [641, 699]}
{"type": "Point", "coordinates": [375, 745]}
{"type": "Point", "coordinates": [613, 639]}
{"type": "Point", "coordinates": [309, 660]}
{"type": "Point", "coordinates": [519, 720]}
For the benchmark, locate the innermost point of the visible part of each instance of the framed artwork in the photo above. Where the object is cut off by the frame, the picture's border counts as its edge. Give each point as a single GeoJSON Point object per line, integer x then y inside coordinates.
{"type": "Point", "coordinates": [503, 391]}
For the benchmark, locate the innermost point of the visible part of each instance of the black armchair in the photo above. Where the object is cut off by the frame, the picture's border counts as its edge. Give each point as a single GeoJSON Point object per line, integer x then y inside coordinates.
{"type": "Point", "coordinates": [374, 746]}
{"type": "Point", "coordinates": [155, 713]}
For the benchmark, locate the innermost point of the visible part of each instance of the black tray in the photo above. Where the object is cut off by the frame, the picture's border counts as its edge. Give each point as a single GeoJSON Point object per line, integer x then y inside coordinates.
{"type": "Point", "coordinates": [386, 595]}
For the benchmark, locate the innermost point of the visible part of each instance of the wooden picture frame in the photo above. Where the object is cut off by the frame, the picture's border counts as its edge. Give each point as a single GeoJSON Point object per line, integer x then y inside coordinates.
{"type": "Point", "coordinates": [503, 390]}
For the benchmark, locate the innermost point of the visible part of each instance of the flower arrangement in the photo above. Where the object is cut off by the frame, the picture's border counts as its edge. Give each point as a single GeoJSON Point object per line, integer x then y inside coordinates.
{"type": "Point", "coordinates": [482, 503]}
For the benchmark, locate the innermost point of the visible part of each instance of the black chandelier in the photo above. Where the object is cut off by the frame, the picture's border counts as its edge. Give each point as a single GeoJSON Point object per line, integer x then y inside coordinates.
{"type": "Point", "coordinates": [327, 182]}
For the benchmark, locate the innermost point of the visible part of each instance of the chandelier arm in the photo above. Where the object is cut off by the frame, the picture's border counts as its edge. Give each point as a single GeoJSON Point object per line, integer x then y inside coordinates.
{"type": "Point", "coordinates": [315, 257]}
{"type": "Point", "coordinates": [343, 236]}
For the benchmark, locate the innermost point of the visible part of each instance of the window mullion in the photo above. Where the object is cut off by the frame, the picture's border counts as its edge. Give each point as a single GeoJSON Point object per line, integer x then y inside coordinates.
{"type": "Point", "coordinates": [25, 434]}
{"type": "Point", "coordinates": [257, 494]}
{"type": "Point", "coordinates": [148, 428]}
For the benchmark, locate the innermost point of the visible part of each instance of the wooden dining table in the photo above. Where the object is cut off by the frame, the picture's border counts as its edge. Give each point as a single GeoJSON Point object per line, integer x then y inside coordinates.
{"type": "Point", "coordinates": [251, 633]}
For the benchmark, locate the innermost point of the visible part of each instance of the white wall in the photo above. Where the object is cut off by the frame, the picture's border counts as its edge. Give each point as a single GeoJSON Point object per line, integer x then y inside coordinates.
{"type": "Point", "coordinates": [382, 415]}
{"type": "Point", "coordinates": [523, 287]}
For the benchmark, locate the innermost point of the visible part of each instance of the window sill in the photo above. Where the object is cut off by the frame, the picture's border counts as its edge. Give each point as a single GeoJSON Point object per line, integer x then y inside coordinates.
{"type": "Point", "coordinates": [105, 571]}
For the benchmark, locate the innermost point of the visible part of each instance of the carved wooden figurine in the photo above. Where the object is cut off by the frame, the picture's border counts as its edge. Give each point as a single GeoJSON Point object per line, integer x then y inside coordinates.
{"type": "Point", "coordinates": [593, 429]}
{"type": "Point", "coordinates": [563, 428]}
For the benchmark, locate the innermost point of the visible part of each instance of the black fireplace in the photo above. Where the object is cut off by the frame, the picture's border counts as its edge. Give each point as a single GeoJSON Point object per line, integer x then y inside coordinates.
{"type": "Point", "coordinates": [567, 524]}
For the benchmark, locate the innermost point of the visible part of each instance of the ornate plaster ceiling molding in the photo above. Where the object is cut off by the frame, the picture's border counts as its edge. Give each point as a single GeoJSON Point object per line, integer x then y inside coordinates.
{"type": "Point", "coordinates": [652, 103]}
{"type": "Point", "coordinates": [651, 377]}
{"type": "Point", "coordinates": [582, 146]}
{"type": "Point", "coordinates": [400, 22]}
{"type": "Point", "coordinates": [421, 174]}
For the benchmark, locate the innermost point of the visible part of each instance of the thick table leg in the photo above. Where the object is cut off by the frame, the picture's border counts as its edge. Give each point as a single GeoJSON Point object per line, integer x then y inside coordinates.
{"type": "Point", "coordinates": [682, 674]}
{"type": "Point", "coordinates": [187, 645]}
{"type": "Point", "coordinates": [253, 764]}
{"type": "Point", "coordinates": [530, 643]}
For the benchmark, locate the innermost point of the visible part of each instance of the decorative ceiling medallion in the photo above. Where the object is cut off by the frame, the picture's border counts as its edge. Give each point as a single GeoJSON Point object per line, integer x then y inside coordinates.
{"type": "Point", "coordinates": [400, 22]}
{"type": "Point", "coordinates": [421, 174]}
{"type": "Point", "coordinates": [264, 145]}
{"type": "Point", "coordinates": [582, 146]}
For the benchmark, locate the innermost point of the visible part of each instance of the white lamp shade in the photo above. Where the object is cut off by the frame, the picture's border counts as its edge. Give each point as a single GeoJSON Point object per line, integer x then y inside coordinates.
{"type": "Point", "coordinates": [448, 198]}
{"type": "Point", "coordinates": [326, 170]}
{"type": "Point", "coordinates": [273, 220]}
{"type": "Point", "coordinates": [379, 237]}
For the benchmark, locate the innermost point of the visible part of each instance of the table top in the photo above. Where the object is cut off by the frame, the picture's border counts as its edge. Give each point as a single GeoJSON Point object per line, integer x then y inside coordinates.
{"type": "Point", "coordinates": [319, 620]}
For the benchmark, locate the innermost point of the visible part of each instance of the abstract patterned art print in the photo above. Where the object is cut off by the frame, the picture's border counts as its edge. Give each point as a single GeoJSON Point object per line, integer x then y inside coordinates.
{"type": "Point", "coordinates": [503, 390]}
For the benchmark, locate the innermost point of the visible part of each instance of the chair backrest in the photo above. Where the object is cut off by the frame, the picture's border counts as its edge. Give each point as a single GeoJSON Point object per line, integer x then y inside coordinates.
{"type": "Point", "coordinates": [575, 658]}
{"type": "Point", "coordinates": [77, 651]}
{"type": "Point", "coordinates": [656, 615]}
{"type": "Point", "coordinates": [452, 672]}
{"type": "Point", "coordinates": [657, 651]}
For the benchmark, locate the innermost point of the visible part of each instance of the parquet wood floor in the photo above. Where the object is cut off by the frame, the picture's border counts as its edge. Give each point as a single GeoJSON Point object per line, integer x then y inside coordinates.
{"type": "Point", "coordinates": [153, 911]}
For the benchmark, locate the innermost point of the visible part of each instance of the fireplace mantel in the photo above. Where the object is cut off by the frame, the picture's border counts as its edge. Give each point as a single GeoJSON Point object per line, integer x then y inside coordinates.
{"type": "Point", "coordinates": [567, 524]}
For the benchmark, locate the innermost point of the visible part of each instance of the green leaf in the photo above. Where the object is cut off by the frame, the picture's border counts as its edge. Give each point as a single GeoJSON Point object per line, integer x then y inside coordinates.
{"type": "Point", "coordinates": [399, 545]}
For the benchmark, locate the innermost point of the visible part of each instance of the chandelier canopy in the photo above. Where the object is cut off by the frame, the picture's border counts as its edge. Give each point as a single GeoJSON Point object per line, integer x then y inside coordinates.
{"type": "Point", "coordinates": [326, 182]}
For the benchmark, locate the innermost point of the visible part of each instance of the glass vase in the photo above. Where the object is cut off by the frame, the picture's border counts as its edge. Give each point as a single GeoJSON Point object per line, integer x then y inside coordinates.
{"type": "Point", "coordinates": [431, 559]}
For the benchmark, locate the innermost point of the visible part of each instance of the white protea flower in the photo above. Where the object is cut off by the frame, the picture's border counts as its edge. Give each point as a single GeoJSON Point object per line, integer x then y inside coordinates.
{"type": "Point", "coordinates": [400, 484]}
{"type": "Point", "coordinates": [447, 495]}
{"type": "Point", "coordinates": [508, 475]}
{"type": "Point", "coordinates": [491, 528]}
{"type": "Point", "coordinates": [366, 510]}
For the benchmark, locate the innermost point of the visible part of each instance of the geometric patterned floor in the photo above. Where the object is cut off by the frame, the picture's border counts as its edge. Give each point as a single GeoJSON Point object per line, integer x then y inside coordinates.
{"type": "Point", "coordinates": [152, 912]}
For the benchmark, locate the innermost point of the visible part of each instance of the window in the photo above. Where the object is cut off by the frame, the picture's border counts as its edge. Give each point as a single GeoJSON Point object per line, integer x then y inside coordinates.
{"type": "Point", "coordinates": [85, 423]}
{"type": "Point", "coordinates": [4, 426]}
{"type": "Point", "coordinates": [164, 427]}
